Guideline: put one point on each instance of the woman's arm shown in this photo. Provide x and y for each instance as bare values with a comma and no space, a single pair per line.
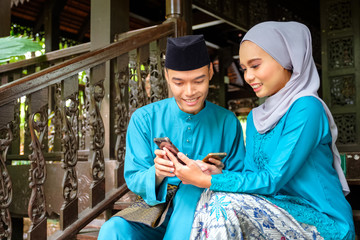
303,131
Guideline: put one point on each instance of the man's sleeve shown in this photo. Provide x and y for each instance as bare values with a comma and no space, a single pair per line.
139,170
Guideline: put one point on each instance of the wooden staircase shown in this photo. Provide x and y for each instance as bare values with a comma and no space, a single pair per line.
91,231
75,158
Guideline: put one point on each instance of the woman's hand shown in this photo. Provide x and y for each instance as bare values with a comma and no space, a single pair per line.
211,169
163,166
190,173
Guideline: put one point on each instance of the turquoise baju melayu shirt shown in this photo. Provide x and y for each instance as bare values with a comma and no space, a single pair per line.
213,129
292,166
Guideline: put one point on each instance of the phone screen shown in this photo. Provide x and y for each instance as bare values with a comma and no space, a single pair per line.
165,142
218,156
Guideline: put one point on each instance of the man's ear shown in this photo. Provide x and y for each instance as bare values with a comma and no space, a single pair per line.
211,71
166,75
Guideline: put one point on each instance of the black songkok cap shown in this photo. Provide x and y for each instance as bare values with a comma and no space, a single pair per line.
186,53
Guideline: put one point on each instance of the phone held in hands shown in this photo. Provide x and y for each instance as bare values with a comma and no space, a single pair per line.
218,156
165,142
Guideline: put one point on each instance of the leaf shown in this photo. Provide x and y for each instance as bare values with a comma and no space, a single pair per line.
16,46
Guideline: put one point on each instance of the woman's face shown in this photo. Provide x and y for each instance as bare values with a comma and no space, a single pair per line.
263,73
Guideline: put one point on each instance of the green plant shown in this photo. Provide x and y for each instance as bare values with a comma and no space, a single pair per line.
16,46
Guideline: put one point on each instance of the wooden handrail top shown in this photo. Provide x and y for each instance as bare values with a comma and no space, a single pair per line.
51,56
11,91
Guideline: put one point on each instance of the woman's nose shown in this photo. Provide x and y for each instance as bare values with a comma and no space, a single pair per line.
248,76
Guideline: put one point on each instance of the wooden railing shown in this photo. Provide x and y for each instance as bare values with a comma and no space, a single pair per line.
63,138
12,71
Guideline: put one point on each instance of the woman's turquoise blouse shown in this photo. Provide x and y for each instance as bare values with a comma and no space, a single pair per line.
292,166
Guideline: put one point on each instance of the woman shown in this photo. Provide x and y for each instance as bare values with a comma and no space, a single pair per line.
292,185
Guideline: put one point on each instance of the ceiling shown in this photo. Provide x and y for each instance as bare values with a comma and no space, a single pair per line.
75,17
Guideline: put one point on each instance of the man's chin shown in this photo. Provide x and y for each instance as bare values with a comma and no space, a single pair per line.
192,109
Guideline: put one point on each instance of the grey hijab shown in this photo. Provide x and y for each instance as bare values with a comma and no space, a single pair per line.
289,43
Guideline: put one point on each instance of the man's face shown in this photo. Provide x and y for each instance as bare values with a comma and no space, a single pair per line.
190,88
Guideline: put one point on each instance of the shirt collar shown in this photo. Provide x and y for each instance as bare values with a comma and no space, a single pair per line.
183,115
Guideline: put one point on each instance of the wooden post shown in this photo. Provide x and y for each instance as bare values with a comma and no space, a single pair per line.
174,14
5,17
108,18
187,13
51,26
225,58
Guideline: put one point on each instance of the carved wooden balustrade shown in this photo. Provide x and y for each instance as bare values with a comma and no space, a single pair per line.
63,136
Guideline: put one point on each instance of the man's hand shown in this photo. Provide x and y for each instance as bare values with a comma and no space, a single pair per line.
163,166
190,173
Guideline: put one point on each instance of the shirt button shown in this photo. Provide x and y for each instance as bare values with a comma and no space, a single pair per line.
189,128
187,140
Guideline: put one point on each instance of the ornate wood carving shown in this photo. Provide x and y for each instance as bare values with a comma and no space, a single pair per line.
85,115
143,66
98,133
121,116
343,90
83,119
340,68
70,146
6,192
138,72
339,15
15,128
96,93
133,86
341,53
346,124
37,172
57,118
158,85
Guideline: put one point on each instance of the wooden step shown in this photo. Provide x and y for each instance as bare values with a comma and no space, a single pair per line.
88,234
91,231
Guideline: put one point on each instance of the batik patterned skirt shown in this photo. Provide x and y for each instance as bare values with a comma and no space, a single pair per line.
221,215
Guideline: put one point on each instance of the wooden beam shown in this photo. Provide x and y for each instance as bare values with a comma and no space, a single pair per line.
187,15
84,29
39,22
5,16
52,12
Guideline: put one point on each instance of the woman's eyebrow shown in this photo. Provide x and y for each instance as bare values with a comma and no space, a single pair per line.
253,60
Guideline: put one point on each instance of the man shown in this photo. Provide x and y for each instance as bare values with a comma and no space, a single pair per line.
195,126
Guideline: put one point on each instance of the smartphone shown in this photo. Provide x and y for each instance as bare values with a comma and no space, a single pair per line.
218,156
165,142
